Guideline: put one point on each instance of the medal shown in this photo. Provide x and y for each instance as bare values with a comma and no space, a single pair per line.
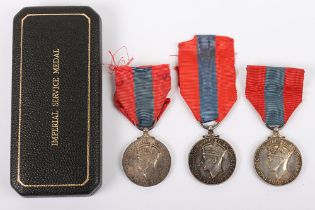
275,93
141,95
207,84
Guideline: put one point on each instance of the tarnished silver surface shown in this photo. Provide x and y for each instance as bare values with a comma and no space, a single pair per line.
278,161
146,161
212,160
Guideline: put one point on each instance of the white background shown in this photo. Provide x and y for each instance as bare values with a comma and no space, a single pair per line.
276,33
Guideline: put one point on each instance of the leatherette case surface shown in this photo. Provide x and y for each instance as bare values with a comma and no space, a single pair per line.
56,101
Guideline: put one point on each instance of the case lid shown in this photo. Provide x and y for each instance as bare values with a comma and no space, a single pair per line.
56,101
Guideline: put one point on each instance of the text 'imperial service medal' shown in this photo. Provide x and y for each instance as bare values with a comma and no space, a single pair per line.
207,84
275,93
141,95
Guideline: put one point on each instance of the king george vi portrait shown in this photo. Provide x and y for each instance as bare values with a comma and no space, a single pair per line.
147,156
278,157
212,157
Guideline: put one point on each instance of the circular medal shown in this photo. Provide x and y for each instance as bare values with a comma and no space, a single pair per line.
146,161
212,160
278,161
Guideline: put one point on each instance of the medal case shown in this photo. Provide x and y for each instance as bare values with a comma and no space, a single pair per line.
56,101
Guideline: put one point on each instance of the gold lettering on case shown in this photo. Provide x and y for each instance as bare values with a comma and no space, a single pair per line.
55,92
55,98
54,128
56,54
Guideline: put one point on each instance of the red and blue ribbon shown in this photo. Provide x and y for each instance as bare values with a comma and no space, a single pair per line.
141,93
207,76
275,92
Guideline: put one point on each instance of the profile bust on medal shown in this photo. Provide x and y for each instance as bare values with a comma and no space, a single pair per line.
212,154
147,156
212,160
278,157
146,161
278,161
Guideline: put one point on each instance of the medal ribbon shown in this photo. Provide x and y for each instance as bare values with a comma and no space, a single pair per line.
275,92
207,76
141,93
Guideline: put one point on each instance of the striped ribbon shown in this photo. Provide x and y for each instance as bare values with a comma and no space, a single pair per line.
207,76
275,92
141,93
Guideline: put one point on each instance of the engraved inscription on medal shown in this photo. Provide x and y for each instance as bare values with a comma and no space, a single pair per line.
55,99
278,161
146,161
212,160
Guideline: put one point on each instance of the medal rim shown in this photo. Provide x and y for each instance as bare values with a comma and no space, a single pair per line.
266,179
190,155
133,143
